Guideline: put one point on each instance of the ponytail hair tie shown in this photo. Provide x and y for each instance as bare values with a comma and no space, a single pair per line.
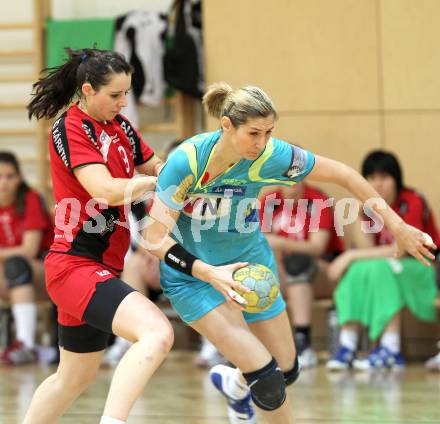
83,57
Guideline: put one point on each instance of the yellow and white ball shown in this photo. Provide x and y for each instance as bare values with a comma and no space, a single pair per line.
262,283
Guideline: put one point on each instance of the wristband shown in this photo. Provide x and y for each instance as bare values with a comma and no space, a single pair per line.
178,258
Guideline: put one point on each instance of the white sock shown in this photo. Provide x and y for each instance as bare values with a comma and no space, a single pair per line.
25,317
349,339
233,386
110,420
122,343
391,340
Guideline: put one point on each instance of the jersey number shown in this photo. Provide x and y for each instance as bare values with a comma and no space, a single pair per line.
205,208
123,153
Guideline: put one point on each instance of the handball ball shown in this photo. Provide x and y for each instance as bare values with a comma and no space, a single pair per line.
262,283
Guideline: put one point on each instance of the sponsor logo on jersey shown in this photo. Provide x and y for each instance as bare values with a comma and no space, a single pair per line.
110,223
234,181
131,135
57,138
298,163
106,141
181,190
230,190
89,129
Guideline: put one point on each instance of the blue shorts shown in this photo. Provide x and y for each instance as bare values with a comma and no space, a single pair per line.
192,298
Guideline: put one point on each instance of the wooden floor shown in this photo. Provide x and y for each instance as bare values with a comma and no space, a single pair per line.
179,393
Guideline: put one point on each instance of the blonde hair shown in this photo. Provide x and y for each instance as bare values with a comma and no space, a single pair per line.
238,105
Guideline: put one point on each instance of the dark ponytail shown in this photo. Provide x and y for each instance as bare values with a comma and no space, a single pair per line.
23,188
57,89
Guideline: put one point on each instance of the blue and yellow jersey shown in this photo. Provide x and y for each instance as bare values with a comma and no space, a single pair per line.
219,220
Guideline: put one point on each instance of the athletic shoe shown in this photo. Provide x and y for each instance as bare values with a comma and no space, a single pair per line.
342,360
208,355
308,358
433,364
18,354
380,358
240,411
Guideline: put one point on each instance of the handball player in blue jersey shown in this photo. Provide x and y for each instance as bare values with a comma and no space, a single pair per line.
205,225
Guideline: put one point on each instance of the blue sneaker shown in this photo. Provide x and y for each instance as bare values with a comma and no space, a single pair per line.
380,358
342,360
240,411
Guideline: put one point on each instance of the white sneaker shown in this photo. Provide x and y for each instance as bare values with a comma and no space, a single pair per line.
380,358
115,352
208,355
240,411
433,364
342,360
308,358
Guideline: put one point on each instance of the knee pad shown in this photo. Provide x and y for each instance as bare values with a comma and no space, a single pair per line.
300,268
268,389
18,271
292,375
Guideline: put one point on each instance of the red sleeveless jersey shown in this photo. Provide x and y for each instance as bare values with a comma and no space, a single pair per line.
82,226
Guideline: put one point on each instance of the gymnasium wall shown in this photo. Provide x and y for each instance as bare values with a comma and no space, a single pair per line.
62,9
347,76
26,145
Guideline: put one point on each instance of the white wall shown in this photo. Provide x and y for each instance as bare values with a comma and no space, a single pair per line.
70,9
18,10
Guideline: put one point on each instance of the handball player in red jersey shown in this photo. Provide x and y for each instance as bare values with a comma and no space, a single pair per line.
94,153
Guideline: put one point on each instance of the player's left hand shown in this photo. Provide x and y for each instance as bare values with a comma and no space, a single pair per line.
415,242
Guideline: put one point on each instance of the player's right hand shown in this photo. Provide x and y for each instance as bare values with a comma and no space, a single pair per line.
221,279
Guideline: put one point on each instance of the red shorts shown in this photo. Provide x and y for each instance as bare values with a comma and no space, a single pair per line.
71,282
